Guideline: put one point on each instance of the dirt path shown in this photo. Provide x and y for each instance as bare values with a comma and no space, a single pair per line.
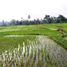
55,51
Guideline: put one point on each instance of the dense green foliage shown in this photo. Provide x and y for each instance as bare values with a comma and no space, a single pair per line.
46,20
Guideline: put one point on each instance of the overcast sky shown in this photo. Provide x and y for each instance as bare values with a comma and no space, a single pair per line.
15,9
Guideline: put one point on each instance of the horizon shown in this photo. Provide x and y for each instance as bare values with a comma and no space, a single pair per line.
17,9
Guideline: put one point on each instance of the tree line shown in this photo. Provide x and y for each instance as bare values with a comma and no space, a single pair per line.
46,20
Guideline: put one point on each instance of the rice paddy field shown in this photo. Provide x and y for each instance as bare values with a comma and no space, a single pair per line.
33,46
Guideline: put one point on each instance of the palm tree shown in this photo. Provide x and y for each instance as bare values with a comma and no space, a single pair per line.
29,17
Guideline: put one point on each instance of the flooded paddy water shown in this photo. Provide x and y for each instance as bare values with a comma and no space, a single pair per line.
44,52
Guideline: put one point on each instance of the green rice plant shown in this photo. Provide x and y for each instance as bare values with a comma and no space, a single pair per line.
32,55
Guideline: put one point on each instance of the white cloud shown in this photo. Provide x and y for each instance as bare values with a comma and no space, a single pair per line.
36,8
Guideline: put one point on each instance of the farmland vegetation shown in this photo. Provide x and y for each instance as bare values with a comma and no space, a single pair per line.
38,53
40,45
14,35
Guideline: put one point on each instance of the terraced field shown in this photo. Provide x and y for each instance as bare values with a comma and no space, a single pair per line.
43,52
35,46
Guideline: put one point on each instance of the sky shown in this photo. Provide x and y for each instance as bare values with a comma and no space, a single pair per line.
17,9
